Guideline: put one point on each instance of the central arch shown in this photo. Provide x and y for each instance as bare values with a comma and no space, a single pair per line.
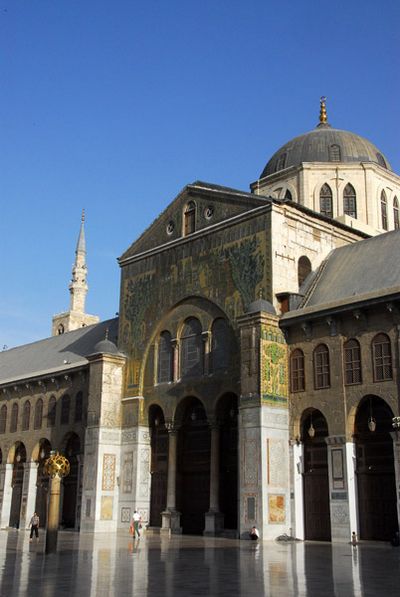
193,465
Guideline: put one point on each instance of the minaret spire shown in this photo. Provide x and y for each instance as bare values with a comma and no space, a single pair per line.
78,288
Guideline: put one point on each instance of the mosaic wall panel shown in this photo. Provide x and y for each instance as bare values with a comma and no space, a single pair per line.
108,478
127,472
107,502
276,508
274,367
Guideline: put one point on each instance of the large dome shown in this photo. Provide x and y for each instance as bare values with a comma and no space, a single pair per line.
325,144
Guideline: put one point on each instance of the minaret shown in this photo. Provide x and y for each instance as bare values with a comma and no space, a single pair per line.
76,317
78,287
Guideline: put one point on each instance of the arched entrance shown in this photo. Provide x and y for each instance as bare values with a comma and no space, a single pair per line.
18,461
227,414
70,483
193,472
317,520
376,483
42,483
159,464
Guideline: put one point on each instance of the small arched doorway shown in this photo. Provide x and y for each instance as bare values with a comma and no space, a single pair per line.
159,464
193,465
18,461
227,415
377,505
42,483
317,520
70,482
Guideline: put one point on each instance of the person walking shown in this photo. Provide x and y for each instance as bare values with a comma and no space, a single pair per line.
136,520
34,524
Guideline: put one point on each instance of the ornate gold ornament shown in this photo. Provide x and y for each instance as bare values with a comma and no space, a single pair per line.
323,117
57,465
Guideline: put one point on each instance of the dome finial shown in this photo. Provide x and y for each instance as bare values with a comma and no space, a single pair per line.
323,117
83,215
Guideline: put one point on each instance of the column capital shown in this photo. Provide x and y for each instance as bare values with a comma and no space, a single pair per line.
171,427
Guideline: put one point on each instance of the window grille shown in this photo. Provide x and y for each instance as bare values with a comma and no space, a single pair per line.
384,211
38,414
382,358
297,377
325,201
352,362
349,201
321,367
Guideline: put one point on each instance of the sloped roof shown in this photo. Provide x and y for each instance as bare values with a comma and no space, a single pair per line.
55,354
364,270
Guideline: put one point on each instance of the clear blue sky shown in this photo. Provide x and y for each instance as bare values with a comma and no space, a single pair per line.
115,105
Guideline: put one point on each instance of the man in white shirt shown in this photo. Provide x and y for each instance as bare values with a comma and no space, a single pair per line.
136,519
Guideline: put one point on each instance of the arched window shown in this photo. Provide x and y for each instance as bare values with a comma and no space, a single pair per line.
321,367
352,362
14,418
288,195
349,201
189,218
192,349
297,378
52,412
78,407
396,214
220,345
60,329
303,269
334,153
325,201
382,357
3,418
26,416
384,211
38,414
165,358
65,408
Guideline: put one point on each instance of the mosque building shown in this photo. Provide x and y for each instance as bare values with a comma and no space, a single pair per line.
252,375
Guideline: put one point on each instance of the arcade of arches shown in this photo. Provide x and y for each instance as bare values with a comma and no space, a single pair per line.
26,485
194,465
323,472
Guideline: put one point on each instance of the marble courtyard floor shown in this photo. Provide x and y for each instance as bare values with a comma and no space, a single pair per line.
114,565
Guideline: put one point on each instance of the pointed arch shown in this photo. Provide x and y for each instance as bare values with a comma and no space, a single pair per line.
384,217
349,201
3,418
325,201
396,219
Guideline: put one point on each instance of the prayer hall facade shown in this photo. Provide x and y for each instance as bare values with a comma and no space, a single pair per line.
251,376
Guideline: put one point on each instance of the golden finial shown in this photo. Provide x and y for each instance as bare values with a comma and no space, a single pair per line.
323,118
83,215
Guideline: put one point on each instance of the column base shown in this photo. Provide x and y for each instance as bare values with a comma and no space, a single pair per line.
171,523
214,523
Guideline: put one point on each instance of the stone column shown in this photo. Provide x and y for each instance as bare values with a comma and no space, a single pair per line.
7,497
53,515
170,517
175,364
298,470
338,488
352,486
214,519
396,454
30,475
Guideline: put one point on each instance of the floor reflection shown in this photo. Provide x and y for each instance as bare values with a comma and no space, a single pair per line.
116,565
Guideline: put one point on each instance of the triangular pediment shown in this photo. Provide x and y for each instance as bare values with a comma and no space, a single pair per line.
213,205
